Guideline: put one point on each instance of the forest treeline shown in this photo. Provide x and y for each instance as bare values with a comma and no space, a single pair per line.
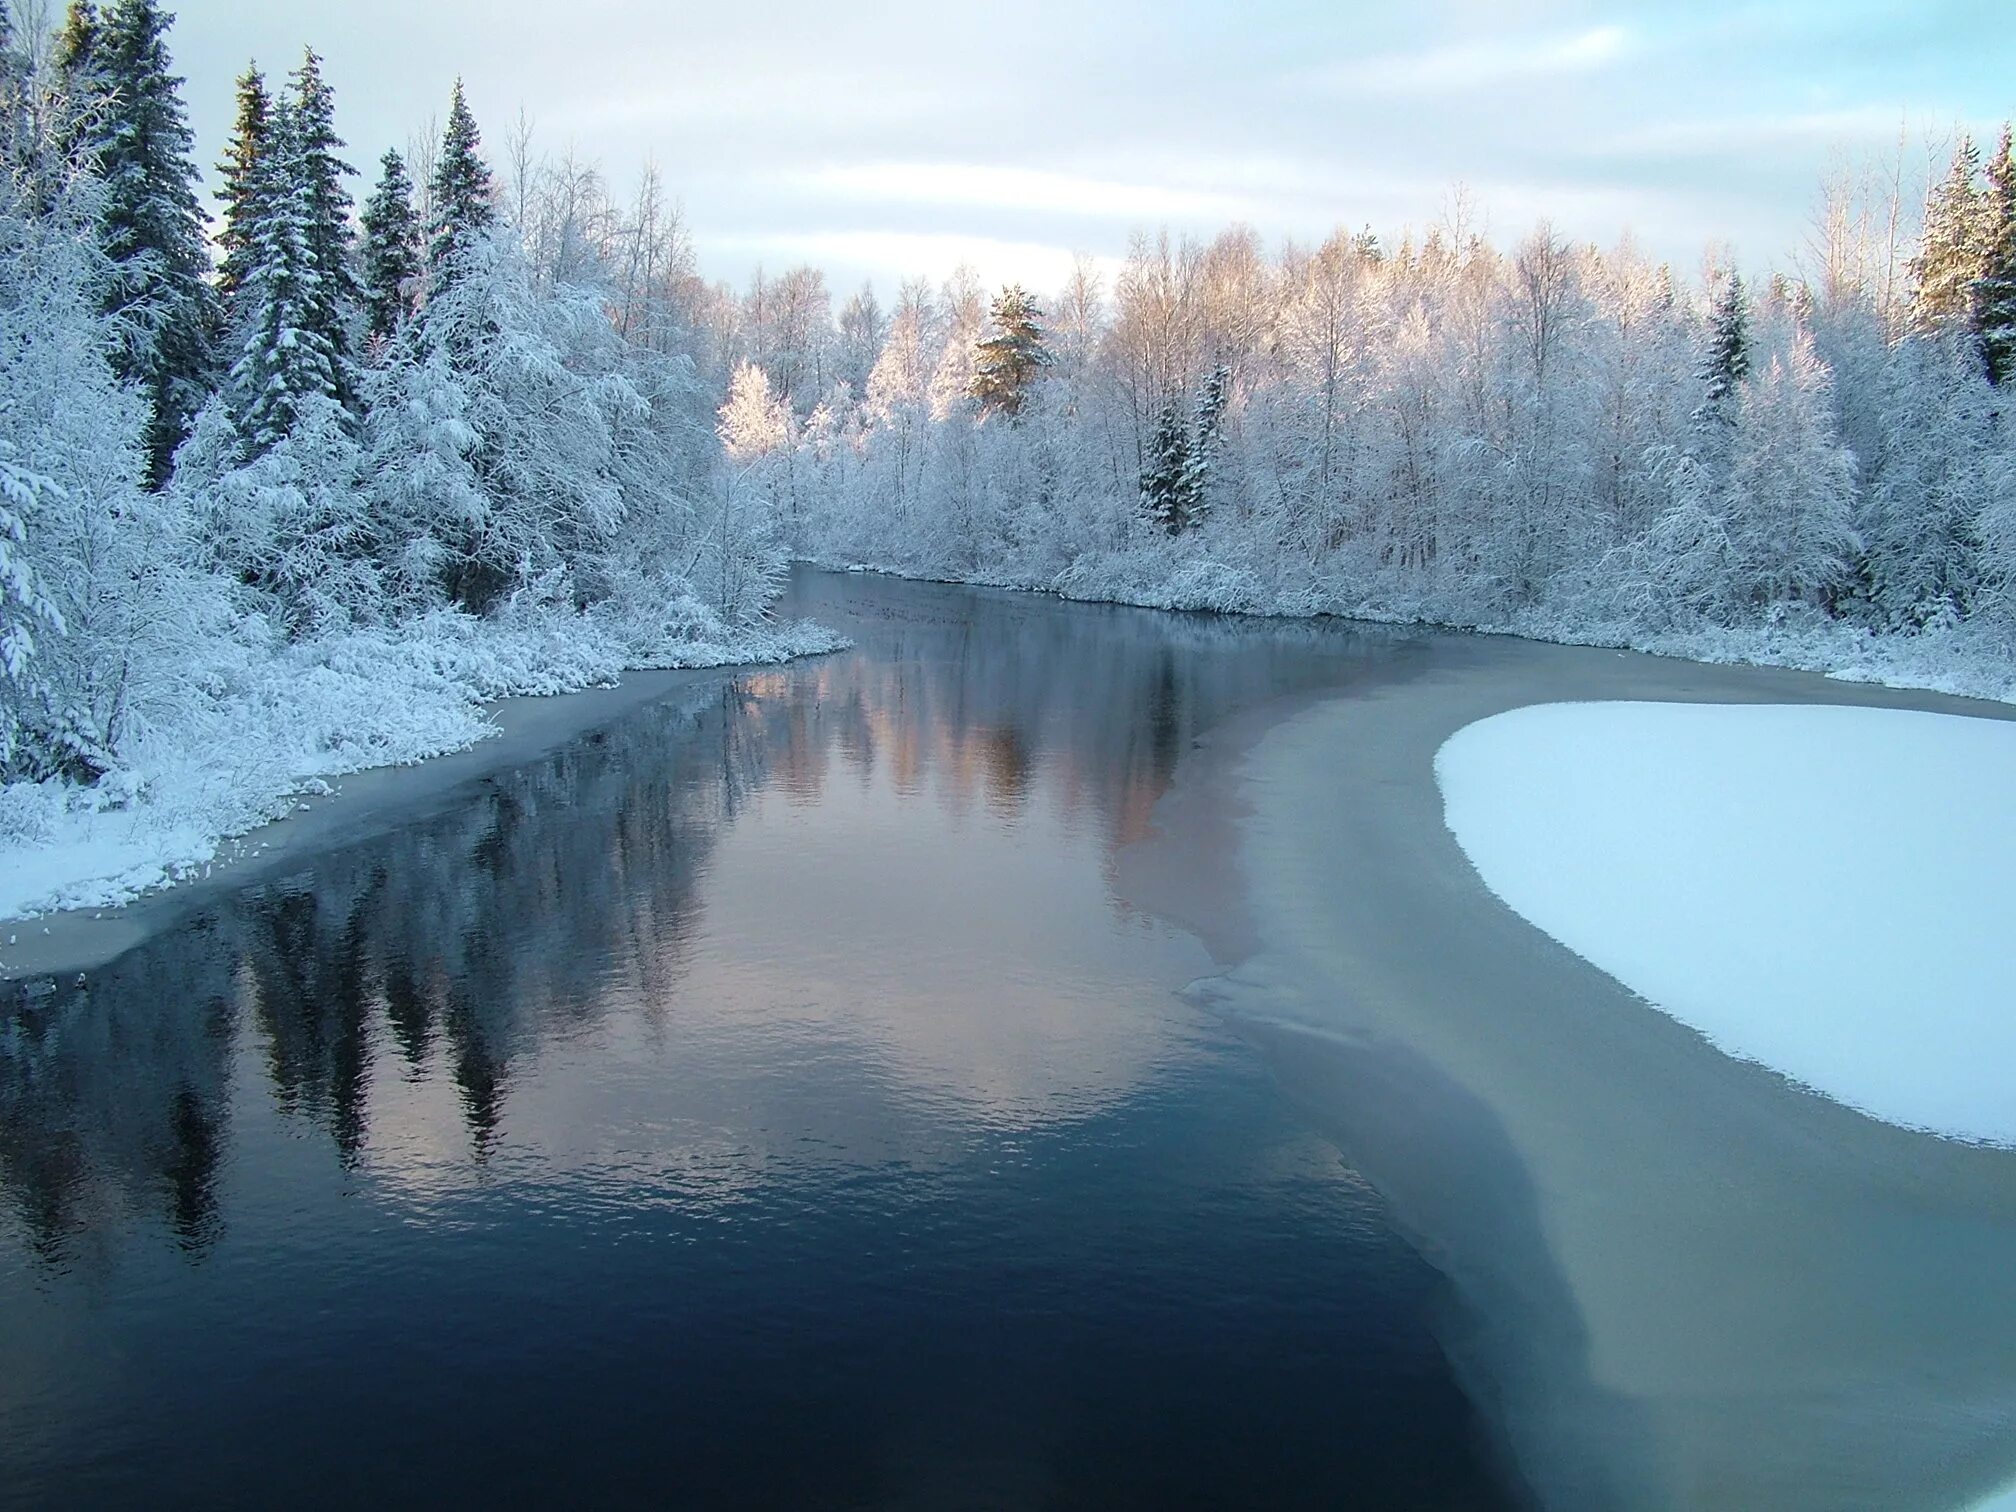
287,482
1558,439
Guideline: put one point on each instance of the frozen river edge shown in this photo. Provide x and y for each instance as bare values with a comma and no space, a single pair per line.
360,804
1683,1280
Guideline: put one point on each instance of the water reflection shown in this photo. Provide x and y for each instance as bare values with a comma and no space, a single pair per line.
773,1067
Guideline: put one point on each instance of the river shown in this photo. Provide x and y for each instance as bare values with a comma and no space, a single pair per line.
864,1082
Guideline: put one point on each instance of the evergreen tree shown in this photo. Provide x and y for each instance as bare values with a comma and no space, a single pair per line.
335,293
151,226
1165,480
77,43
1995,291
391,250
286,364
463,193
239,170
1949,259
1728,359
1011,359
1206,440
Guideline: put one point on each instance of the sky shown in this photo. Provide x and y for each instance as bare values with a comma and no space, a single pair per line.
903,138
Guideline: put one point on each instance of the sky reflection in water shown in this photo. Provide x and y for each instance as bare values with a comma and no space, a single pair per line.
763,1099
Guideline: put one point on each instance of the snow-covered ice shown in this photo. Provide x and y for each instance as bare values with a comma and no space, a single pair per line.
1824,890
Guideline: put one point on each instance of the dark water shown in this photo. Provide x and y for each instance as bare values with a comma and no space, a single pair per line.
762,1101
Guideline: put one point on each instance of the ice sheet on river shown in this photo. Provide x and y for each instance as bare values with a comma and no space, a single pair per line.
1823,890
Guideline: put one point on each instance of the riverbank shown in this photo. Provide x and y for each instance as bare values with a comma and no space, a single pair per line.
1976,660
1683,1280
88,882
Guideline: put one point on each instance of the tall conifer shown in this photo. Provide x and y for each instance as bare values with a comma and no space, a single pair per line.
285,363
1727,362
239,170
335,294
1949,259
463,192
391,250
151,226
1995,291
1011,359
1165,478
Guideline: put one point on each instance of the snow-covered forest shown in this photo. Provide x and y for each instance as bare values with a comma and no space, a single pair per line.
1563,441
289,485
289,490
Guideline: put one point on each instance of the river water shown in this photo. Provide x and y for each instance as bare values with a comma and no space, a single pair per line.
1050,1055
766,1099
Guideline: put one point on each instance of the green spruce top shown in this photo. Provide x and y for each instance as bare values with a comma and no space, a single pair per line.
1013,357
464,195
1728,360
1995,290
391,250
1949,255
239,170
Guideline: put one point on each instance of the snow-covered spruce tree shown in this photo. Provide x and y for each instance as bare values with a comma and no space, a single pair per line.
463,195
1995,289
287,361
391,252
1013,357
333,299
1949,259
151,222
238,171
79,86
1727,361
1166,470
1207,443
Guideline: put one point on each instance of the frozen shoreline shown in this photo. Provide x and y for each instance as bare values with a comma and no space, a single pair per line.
503,733
1822,890
1967,662
1684,1280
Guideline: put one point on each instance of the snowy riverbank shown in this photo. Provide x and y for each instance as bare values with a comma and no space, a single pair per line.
250,749
1973,660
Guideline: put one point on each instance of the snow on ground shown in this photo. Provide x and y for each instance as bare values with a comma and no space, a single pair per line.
1824,890
242,754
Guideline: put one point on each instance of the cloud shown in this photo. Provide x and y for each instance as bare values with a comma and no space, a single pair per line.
1469,65
1031,189
1721,135
849,255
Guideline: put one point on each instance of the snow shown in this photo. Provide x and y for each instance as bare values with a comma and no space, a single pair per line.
1824,890
364,698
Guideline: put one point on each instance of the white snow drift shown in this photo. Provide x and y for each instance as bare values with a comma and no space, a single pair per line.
1823,890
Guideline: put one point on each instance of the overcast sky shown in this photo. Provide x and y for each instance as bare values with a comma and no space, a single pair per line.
901,138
